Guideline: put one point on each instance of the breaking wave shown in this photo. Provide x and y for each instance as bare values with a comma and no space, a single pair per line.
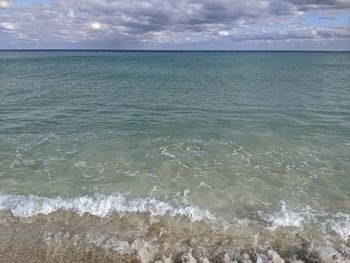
97,205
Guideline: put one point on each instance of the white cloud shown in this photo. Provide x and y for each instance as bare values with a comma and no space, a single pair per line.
96,26
7,26
224,33
4,4
71,14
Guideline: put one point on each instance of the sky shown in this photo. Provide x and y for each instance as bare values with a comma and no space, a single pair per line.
175,24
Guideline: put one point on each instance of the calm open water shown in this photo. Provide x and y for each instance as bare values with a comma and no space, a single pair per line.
255,145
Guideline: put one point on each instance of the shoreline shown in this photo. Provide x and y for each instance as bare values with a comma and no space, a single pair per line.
140,237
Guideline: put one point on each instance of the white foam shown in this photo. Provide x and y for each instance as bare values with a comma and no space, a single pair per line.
80,164
340,224
284,218
163,151
98,205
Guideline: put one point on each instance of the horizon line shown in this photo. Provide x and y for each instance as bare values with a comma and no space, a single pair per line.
171,50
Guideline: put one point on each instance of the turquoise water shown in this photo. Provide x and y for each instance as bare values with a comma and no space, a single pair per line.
256,137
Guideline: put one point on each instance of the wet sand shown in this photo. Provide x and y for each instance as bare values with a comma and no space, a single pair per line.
68,237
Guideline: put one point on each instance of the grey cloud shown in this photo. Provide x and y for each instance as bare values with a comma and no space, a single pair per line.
291,7
279,7
305,5
320,34
136,22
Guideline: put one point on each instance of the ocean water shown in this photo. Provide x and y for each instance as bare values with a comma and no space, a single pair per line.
143,156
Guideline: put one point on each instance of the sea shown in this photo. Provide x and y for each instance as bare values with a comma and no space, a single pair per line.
174,156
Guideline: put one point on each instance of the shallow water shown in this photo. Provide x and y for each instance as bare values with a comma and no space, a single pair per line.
251,146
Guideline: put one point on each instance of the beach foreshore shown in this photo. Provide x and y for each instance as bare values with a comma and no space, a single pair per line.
93,254
68,237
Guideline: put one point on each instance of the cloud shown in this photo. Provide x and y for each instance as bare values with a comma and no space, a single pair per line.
223,33
7,26
94,25
136,22
280,7
4,4
305,5
295,34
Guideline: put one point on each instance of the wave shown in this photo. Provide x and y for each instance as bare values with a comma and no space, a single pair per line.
338,223
101,205
97,205
283,218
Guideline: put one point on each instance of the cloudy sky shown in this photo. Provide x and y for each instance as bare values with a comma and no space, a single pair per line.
175,24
